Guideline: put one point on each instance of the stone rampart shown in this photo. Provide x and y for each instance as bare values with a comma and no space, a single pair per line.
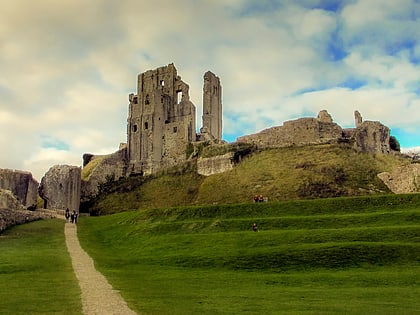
22,185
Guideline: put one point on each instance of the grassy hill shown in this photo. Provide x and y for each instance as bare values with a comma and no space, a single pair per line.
279,174
358,255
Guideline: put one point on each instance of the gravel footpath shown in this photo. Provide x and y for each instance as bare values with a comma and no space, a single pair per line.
98,296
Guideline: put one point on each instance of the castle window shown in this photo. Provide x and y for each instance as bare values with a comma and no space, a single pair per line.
147,102
135,100
175,129
146,125
134,128
162,82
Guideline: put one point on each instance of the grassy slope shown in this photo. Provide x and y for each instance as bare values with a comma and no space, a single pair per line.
280,174
36,276
327,256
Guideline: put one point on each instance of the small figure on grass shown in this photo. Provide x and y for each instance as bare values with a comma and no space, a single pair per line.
255,227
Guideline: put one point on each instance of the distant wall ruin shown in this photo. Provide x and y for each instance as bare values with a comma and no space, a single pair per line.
368,136
22,185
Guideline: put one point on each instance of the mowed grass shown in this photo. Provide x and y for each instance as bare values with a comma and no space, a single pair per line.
36,276
327,256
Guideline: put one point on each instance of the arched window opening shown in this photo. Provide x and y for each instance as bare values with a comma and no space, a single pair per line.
146,125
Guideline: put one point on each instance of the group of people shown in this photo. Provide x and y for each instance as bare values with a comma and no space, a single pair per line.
72,217
259,198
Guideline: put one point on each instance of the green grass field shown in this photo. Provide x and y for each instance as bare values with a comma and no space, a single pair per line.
36,276
325,256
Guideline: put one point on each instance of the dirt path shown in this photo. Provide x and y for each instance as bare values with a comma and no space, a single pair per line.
98,296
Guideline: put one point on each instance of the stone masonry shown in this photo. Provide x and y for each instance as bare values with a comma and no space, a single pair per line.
161,120
368,136
22,185
60,188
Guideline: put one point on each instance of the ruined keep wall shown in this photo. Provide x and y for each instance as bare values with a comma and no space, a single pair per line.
60,188
160,109
22,185
212,106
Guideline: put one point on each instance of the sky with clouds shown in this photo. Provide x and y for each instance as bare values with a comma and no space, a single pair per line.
67,67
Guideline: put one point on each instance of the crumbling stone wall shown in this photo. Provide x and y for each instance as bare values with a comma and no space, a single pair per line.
302,131
372,136
22,185
368,136
60,188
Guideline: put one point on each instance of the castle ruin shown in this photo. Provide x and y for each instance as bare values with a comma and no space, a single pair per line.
161,120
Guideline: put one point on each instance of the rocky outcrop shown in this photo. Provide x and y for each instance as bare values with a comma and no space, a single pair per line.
215,165
99,169
60,188
404,179
22,185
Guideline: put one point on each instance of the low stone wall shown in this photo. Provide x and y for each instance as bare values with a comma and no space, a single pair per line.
9,218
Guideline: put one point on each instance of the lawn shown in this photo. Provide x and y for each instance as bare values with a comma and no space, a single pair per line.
325,256
36,276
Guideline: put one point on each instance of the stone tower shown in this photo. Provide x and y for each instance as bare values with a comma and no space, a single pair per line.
212,106
161,121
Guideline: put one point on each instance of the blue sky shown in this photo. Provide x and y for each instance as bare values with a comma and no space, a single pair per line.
67,67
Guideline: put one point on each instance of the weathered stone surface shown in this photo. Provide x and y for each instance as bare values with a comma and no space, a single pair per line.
324,116
212,107
215,165
302,131
60,188
373,137
162,119
22,185
404,179
12,211
9,201
100,169
369,136
357,119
